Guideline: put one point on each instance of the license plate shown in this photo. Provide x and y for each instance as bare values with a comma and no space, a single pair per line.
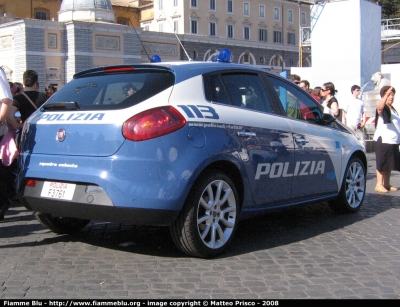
59,190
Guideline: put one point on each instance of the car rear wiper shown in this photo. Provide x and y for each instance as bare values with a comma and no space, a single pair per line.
67,105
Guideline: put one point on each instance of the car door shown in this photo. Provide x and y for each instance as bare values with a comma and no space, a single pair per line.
317,146
265,141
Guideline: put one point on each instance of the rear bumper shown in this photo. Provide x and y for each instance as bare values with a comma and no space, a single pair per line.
95,212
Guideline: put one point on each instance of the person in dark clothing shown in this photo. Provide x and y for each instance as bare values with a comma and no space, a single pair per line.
22,102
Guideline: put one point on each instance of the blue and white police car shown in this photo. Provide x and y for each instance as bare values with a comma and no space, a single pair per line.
197,146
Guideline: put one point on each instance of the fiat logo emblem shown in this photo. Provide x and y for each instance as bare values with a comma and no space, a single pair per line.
61,135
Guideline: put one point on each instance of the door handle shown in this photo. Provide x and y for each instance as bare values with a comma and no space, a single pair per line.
301,140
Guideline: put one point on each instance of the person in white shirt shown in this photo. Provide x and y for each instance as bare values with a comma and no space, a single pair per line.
354,112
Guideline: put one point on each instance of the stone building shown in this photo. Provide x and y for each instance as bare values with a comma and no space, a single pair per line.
59,38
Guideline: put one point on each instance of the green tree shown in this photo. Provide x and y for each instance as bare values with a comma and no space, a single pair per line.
390,8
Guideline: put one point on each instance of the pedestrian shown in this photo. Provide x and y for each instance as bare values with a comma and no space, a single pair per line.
50,90
354,112
329,100
316,93
7,176
295,78
29,100
13,88
386,137
20,89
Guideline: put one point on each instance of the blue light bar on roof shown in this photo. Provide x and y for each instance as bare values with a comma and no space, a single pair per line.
224,56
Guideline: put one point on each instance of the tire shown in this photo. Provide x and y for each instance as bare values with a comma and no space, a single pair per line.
64,225
207,223
352,191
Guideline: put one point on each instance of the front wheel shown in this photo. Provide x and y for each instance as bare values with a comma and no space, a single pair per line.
63,225
207,223
353,188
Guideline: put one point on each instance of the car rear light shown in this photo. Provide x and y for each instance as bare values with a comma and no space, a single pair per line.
153,123
31,183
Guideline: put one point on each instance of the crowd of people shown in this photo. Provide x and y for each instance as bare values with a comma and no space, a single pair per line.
18,102
387,124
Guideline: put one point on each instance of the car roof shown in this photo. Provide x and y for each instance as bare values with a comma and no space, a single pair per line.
182,70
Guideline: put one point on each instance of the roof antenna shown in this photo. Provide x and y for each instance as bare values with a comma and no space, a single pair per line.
187,55
144,48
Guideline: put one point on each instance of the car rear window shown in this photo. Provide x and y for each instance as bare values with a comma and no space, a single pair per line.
111,91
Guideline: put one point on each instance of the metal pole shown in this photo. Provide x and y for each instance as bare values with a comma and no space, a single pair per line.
300,38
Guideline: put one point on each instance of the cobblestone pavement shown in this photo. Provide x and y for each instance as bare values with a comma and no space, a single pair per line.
300,253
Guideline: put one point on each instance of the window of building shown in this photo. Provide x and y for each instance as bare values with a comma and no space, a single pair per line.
303,18
246,33
277,14
212,5
262,35
195,55
262,11
229,31
278,37
290,16
160,4
229,6
246,9
213,29
42,14
176,26
176,2
193,26
291,38
146,27
161,26
123,21
262,60
276,61
193,3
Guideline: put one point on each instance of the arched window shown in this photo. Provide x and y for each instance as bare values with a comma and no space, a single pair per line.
123,21
208,53
277,61
247,58
42,14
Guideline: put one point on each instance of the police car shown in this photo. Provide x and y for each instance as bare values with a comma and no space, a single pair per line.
196,147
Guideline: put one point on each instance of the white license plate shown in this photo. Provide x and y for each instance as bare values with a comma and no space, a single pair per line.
59,190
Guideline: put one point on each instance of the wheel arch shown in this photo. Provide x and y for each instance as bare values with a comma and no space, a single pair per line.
232,171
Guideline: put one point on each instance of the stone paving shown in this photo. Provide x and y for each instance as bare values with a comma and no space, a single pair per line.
299,253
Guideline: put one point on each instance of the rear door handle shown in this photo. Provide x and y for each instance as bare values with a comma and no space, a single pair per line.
246,134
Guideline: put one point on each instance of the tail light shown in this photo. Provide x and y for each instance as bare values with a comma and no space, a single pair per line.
153,123
31,183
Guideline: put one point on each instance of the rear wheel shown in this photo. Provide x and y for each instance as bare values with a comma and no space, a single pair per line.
61,224
207,223
353,188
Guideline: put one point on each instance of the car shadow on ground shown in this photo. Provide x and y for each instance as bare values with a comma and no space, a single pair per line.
277,228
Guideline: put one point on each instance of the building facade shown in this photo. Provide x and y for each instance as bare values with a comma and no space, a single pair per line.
259,32
59,38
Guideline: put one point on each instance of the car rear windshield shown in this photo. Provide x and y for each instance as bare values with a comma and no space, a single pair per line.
113,91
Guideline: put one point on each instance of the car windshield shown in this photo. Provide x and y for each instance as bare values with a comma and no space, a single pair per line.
113,91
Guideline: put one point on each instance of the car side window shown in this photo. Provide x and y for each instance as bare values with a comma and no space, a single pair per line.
295,102
244,90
